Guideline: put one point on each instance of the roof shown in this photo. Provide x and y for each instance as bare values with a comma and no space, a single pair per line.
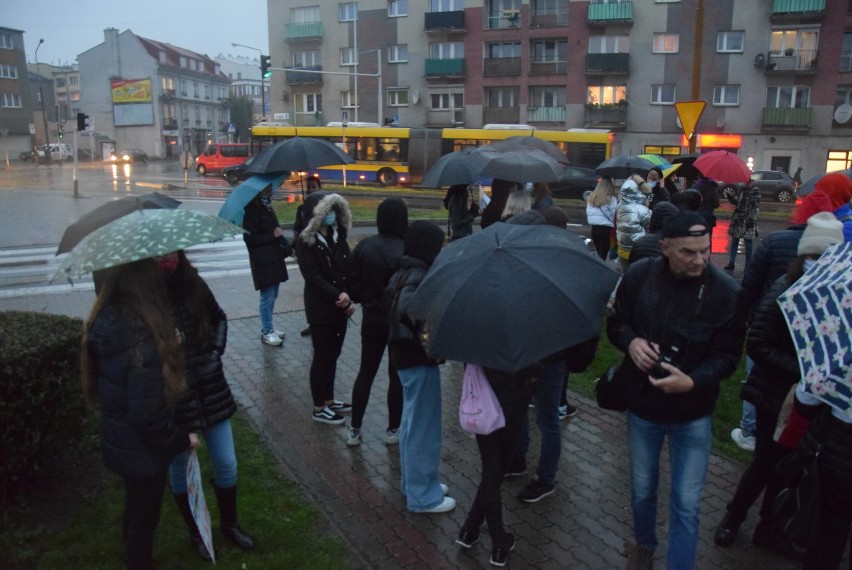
174,53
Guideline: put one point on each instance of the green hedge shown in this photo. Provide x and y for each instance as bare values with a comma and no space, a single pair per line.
41,403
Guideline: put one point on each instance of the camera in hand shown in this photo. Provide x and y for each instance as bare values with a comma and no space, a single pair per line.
669,357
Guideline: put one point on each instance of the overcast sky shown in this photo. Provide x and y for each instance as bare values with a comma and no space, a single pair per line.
72,27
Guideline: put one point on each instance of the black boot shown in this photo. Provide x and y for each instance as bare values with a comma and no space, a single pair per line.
727,530
227,499
182,500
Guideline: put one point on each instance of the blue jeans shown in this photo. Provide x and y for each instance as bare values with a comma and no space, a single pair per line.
748,422
689,451
420,437
220,445
735,242
267,303
547,393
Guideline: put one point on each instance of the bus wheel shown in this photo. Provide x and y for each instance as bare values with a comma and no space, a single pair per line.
387,177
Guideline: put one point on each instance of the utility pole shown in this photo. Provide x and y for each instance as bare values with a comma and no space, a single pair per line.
265,71
47,157
698,38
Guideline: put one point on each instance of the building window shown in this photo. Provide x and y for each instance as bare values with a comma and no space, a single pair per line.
398,53
397,8
347,56
348,100
666,43
446,100
11,100
730,42
306,58
503,14
609,44
348,12
11,72
606,94
305,15
182,61
446,5
308,102
546,96
6,41
788,97
195,89
446,50
846,53
397,97
726,95
504,49
549,51
73,80
662,94
501,97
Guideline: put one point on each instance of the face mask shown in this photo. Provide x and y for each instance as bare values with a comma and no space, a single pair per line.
329,219
169,265
808,264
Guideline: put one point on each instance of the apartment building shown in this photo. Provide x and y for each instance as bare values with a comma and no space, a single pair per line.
244,75
16,102
776,75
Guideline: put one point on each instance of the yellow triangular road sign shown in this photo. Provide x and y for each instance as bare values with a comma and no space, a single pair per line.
689,112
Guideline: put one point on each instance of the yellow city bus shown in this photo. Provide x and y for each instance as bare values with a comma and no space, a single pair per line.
394,155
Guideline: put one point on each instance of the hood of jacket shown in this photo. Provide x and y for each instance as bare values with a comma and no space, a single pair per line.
631,193
661,212
392,217
316,206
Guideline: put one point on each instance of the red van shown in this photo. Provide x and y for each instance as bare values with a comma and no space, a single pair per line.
221,155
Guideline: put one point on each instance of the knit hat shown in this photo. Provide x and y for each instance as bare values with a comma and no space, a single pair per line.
822,231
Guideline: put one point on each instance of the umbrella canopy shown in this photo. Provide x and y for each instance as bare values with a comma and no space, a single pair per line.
657,160
521,142
810,185
233,208
141,234
520,165
511,295
671,170
111,211
722,165
686,161
818,311
297,153
449,170
620,167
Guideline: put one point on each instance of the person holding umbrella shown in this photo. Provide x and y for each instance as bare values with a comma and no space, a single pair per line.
326,265
461,213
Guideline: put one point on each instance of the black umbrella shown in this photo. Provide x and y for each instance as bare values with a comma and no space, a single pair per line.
686,161
624,166
547,147
519,165
102,215
450,170
511,295
297,153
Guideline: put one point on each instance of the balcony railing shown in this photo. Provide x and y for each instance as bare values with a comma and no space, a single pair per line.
505,19
502,66
445,67
791,7
308,119
792,60
303,31
545,114
845,61
548,67
170,124
439,21
549,18
607,63
787,117
302,77
609,116
444,117
168,93
502,115
610,12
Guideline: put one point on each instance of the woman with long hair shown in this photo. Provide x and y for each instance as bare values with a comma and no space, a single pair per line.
518,202
133,371
600,215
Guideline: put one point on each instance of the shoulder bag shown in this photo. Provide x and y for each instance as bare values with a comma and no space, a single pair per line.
610,390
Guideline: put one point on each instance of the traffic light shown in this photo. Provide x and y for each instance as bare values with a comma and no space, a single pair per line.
81,121
264,66
61,133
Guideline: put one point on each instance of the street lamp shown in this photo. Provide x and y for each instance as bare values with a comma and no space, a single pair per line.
262,86
43,106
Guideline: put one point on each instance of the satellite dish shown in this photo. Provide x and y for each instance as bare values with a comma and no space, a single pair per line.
415,96
843,113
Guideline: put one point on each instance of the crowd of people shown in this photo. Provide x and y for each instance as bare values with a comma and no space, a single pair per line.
152,363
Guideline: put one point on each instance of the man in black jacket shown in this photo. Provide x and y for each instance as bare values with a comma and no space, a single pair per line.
678,320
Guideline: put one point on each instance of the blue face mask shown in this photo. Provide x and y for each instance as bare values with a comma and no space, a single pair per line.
329,218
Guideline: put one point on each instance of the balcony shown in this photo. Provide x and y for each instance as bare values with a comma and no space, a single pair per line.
607,116
503,20
502,115
546,115
168,94
444,117
795,61
600,13
300,77
548,68
444,21
170,124
502,66
845,62
303,31
445,67
549,18
796,9
607,63
308,119
786,118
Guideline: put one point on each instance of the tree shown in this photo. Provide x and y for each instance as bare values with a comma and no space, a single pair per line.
241,116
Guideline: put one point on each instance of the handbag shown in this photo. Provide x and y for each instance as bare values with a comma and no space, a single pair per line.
795,508
479,410
610,390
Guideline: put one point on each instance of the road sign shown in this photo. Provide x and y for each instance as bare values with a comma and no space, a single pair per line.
32,128
90,123
689,112
345,118
231,128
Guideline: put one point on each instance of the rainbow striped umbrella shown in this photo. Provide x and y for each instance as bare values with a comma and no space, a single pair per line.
657,160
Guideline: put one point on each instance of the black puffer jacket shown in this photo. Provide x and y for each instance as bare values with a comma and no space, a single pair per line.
770,261
404,347
208,400
139,434
776,367
267,253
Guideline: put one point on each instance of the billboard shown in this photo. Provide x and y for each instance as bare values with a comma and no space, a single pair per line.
131,90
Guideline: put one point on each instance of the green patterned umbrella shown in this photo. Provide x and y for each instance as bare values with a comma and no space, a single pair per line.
141,234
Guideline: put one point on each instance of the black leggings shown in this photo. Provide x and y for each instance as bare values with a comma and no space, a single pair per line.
327,339
374,338
600,239
142,500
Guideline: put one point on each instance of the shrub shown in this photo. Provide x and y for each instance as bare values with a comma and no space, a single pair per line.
41,404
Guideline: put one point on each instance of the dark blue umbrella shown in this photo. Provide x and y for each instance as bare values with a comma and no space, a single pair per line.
295,154
449,170
234,207
621,167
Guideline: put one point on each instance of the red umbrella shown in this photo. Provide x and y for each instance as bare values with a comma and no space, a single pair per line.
722,165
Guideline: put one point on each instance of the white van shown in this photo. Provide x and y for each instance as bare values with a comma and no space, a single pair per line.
61,151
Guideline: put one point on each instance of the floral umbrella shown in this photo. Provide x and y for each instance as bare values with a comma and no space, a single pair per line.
818,311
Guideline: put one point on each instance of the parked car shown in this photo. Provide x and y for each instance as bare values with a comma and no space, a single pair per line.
218,156
130,155
773,184
575,182
237,173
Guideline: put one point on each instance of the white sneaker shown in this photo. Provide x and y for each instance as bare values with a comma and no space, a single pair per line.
281,334
392,437
271,339
445,506
354,438
444,489
745,442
